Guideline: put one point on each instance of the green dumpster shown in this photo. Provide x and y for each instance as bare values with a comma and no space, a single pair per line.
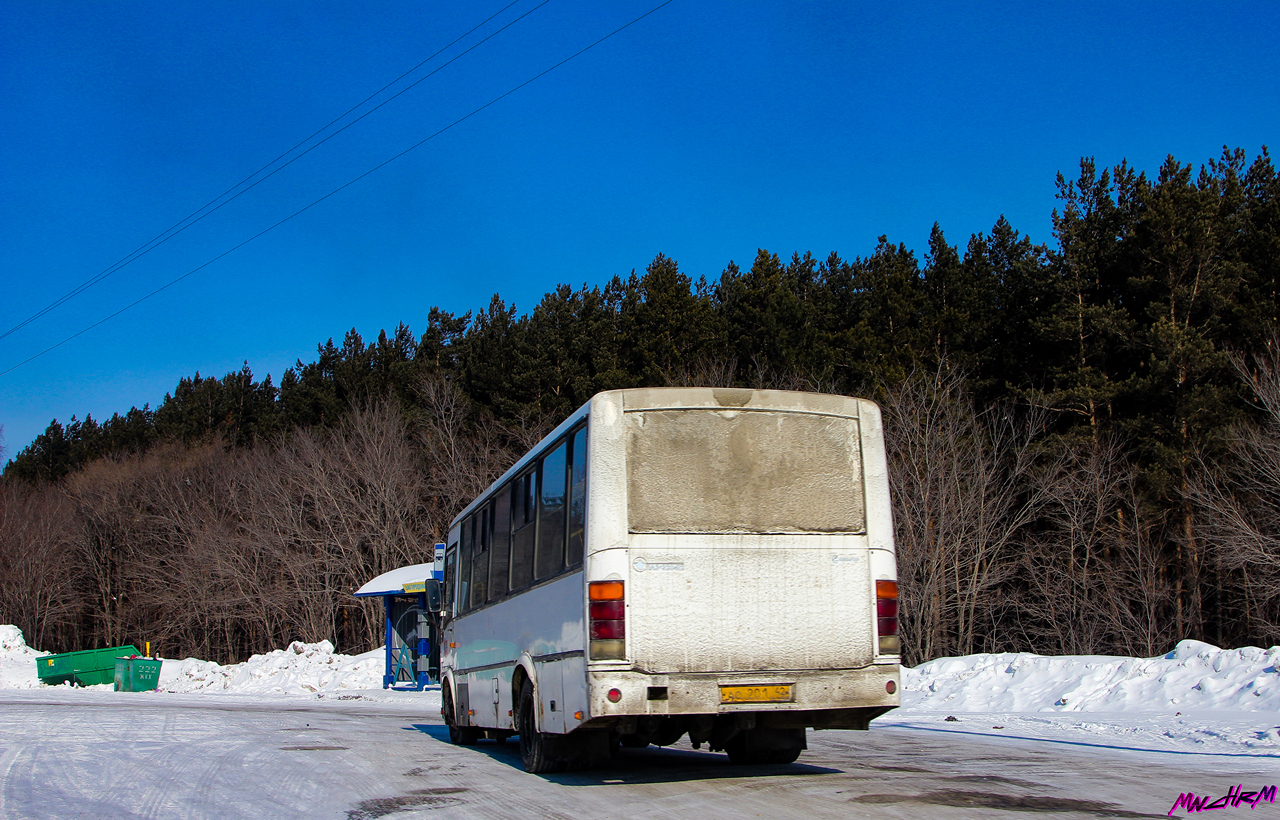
85,668
137,674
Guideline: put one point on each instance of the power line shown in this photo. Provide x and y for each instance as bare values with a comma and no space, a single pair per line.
342,187
209,208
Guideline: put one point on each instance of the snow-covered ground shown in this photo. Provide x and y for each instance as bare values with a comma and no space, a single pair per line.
1197,699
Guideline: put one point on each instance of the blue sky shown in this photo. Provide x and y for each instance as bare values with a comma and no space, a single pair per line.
705,131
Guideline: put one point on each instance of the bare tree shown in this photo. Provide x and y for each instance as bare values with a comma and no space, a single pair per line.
325,511
962,502
464,449
702,373
220,553
384,496
39,585
104,537
1092,579
1238,500
204,587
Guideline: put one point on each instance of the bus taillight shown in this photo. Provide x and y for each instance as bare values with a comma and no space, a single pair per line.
887,617
608,630
608,620
608,610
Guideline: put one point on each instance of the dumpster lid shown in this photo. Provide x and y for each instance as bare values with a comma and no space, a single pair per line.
392,583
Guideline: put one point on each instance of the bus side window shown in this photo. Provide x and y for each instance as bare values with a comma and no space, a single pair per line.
500,559
465,556
530,503
480,557
549,558
522,530
577,499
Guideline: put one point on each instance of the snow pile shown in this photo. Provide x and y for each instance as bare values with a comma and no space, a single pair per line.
17,660
302,669
1197,698
1193,676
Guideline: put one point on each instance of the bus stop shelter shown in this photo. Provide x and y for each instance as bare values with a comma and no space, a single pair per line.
413,656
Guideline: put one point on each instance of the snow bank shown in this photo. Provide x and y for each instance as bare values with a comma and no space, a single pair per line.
302,669
1194,675
17,660
1197,698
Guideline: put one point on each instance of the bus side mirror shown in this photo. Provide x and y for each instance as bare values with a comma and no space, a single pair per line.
435,595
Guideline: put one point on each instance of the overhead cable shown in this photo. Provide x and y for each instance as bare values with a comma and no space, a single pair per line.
210,206
342,187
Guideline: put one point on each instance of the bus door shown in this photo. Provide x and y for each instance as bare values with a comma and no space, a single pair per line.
450,597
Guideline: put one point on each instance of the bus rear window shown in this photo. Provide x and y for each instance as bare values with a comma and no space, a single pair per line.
741,471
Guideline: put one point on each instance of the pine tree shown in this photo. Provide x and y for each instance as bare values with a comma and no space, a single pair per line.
494,363
765,320
1092,336
889,334
958,310
669,326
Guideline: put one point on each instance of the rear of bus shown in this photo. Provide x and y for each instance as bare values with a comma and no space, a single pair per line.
741,575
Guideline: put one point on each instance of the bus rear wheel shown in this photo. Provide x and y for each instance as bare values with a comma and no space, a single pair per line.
535,747
458,735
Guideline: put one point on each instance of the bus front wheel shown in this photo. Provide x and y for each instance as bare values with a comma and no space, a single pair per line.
535,747
458,735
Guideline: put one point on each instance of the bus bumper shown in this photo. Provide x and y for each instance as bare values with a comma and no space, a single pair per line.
834,699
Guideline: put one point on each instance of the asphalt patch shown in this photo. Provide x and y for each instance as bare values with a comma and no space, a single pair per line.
1006,802
417,799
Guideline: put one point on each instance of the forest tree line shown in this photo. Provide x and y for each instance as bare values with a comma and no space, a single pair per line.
1084,436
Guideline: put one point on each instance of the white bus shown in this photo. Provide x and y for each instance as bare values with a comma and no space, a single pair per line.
705,561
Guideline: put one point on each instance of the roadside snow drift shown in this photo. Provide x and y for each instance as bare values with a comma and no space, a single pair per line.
1194,675
17,660
1196,699
302,669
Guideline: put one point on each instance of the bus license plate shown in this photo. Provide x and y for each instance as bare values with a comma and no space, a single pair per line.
757,694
